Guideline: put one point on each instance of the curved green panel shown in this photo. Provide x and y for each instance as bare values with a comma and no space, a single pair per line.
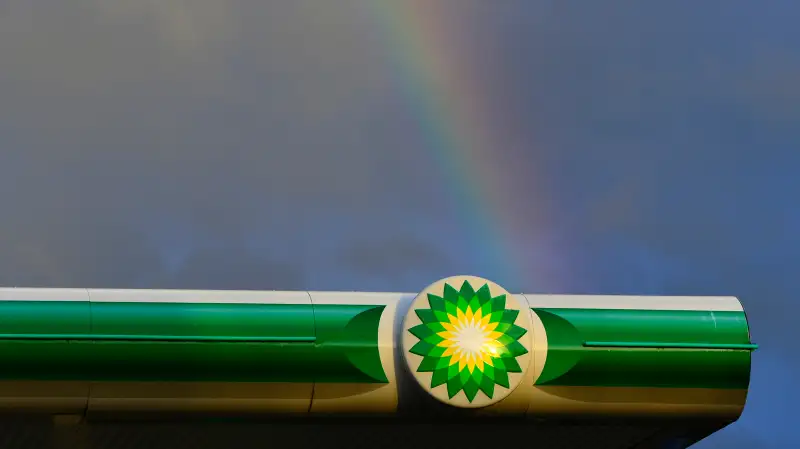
363,328
680,348
563,346
347,343
38,318
149,341
25,327
155,341
235,362
44,360
667,326
157,361
220,321
221,342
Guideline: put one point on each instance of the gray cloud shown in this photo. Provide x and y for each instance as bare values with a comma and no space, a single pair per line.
231,268
396,258
223,119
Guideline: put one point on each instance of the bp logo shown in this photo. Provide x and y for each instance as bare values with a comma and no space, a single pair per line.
467,341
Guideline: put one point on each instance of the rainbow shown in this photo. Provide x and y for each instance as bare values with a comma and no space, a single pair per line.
455,109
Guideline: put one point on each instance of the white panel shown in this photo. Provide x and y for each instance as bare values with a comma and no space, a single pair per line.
358,298
708,303
200,296
705,303
43,294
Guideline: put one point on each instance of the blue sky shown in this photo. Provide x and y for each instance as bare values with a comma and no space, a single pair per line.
227,144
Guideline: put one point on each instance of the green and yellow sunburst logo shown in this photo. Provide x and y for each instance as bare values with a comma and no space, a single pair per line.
469,340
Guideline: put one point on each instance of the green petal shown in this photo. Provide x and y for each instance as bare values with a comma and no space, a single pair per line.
501,378
436,351
487,386
509,316
428,364
462,304
450,293
426,315
439,378
515,332
452,309
434,339
452,371
421,331
441,316
512,366
421,348
516,349
471,389
466,290
499,302
504,340
474,304
488,372
502,327
496,316
436,302
436,327
501,353
484,294
476,375
486,310
464,375
454,385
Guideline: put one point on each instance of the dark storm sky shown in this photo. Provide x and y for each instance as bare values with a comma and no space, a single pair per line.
234,144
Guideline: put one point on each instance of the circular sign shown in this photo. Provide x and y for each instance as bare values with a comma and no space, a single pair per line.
467,341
